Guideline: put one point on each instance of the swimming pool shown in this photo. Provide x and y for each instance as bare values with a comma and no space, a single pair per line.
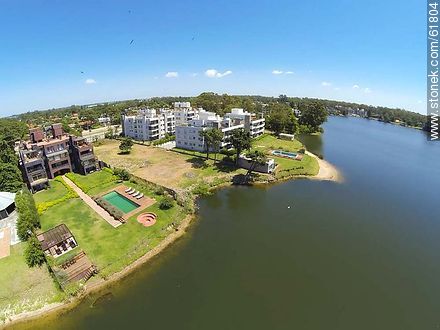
281,153
121,202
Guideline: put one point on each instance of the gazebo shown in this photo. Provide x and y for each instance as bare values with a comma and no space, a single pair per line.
7,204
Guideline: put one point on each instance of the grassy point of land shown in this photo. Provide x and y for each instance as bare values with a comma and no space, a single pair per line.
23,288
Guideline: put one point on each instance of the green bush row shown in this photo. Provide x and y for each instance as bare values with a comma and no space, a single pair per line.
112,210
164,140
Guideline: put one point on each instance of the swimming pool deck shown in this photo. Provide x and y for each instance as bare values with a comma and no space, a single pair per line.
92,204
143,202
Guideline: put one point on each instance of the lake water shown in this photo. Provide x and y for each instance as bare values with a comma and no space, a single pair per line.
364,254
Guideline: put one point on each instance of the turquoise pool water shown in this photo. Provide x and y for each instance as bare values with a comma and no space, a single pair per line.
284,154
121,202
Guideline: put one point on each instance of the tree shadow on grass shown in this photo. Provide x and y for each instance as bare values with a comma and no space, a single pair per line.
221,165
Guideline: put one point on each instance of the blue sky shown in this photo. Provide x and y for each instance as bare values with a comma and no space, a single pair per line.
364,51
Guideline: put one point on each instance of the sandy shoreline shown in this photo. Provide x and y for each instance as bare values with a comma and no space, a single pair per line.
327,172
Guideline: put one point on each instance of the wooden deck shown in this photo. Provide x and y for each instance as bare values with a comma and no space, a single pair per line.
76,269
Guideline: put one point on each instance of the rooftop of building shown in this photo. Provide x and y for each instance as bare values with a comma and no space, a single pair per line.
6,199
54,236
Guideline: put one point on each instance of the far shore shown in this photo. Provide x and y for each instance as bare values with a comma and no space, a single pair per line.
327,172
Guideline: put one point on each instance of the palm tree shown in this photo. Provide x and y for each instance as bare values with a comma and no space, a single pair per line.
258,158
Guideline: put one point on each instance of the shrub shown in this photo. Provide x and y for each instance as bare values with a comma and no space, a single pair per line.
164,140
122,174
302,151
201,189
113,211
166,203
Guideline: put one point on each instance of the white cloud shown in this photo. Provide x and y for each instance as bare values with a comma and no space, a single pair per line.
289,72
355,87
367,90
172,74
326,84
212,73
337,88
90,81
277,72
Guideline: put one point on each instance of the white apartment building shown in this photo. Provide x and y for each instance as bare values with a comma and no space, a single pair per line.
183,112
255,126
188,135
149,124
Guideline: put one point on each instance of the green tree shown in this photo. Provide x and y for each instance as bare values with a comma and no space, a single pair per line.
126,145
258,158
10,177
33,253
28,218
281,119
240,140
313,115
206,141
216,138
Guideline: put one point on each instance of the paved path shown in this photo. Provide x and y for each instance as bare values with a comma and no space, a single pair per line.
90,202
5,241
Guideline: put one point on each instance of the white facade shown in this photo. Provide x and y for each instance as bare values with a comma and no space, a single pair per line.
188,135
183,112
149,124
255,126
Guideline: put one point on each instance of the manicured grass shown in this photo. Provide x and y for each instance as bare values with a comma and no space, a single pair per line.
268,143
286,167
111,249
23,288
95,181
55,191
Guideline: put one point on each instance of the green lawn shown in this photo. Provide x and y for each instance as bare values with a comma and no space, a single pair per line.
111,249
286,167
23,288
98,181
268,143
55,191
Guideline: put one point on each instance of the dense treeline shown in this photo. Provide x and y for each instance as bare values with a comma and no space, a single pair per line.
218,103
10,175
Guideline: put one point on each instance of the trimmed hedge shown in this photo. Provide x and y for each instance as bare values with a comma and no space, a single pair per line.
112,210
164,140
41,207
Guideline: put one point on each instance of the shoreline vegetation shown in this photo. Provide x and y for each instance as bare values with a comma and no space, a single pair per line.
187,173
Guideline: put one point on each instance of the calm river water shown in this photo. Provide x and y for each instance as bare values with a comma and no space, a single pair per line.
364,254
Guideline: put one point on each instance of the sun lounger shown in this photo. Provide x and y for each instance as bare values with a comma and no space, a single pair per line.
140,196
132,192
137,194
128,190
